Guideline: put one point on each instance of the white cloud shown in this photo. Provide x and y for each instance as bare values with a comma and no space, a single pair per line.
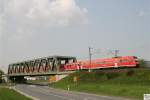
51,12
30,15
24,20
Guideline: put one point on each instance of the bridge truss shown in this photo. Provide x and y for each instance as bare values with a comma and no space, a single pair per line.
40,66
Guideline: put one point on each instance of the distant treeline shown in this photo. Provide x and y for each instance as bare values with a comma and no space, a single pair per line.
144,63
147,63
1,73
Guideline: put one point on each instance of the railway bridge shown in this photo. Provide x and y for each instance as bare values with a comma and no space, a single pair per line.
52,65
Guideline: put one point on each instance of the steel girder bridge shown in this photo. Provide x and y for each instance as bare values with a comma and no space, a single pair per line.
39,67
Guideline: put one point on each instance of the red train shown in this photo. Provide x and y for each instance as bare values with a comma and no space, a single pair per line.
123,61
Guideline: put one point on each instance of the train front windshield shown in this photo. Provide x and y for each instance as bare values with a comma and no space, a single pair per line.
65,61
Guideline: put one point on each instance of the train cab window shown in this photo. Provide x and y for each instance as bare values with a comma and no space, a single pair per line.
63,62
71,61
74,60
66,62
135,57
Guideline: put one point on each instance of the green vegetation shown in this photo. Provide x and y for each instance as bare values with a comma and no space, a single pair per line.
10,94
142,63
130,83
1,73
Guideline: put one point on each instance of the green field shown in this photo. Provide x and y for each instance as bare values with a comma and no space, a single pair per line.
132,83
10,94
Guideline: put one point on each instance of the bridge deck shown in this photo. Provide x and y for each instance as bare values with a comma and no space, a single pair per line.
40,74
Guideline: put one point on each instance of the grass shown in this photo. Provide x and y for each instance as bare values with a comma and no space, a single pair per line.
10,94
132,83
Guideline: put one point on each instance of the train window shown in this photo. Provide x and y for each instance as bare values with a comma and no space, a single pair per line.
109,62
71,61
103,62
124,60
63,61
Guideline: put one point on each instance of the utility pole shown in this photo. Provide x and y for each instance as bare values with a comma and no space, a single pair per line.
116,53
90,58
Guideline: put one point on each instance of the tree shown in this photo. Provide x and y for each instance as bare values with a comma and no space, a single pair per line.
1,73
142,63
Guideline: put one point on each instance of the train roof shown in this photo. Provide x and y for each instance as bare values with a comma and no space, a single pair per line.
128,57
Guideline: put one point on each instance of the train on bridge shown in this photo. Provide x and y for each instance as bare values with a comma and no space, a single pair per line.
63,65
115,62
66,63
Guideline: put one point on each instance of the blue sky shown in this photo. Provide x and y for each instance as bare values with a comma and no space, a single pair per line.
120,24
31,29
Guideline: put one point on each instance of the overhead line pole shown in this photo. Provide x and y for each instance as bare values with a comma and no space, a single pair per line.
116,53
90,58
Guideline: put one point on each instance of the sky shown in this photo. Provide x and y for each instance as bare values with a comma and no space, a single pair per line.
39,28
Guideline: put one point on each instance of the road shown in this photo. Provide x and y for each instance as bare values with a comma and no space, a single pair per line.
47,93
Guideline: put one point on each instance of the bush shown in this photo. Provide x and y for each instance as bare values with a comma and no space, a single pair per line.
142,63
1,73
112,75
130,72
